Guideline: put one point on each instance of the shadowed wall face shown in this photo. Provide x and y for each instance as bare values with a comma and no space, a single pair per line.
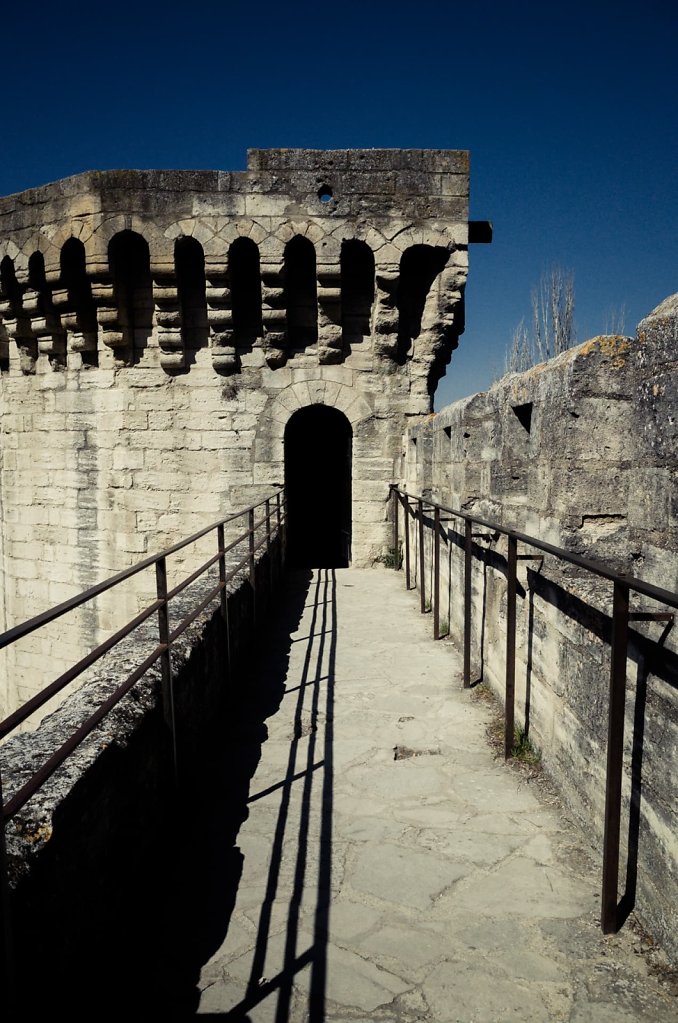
318,455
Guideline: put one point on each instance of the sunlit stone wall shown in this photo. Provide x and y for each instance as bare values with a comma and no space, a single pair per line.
159,329
581,452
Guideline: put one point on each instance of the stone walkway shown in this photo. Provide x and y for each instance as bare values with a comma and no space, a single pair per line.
393,869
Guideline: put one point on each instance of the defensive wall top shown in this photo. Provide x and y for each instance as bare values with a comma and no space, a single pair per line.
304,249
410,183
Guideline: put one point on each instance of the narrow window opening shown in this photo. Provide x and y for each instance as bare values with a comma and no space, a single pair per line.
51,330
74,279
36,273
245,277
301,293
325,193
357,290
447,430
524,415
419,267
130,263
8,290
12,291
189,263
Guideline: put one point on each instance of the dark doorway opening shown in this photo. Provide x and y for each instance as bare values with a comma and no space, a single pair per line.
318,453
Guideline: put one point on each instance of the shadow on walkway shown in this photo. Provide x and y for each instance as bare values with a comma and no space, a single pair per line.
201,888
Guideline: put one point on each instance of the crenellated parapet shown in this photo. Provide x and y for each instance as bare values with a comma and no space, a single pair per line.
319,254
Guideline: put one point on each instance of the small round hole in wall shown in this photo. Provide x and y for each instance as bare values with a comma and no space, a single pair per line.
325,193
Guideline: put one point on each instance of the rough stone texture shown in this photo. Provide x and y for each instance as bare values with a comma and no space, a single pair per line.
88,854
596,473
141,397
440,887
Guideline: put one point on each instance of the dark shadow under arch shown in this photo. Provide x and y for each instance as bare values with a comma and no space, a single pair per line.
357,290
318,456
419,267
73,264
189,263
301,293
245,280
13,291
130,262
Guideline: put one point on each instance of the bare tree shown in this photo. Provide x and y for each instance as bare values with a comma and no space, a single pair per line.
553,313
519,356
552,322
615,319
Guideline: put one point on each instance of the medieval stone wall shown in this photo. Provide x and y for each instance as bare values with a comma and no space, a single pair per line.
158,331
581,452
87,855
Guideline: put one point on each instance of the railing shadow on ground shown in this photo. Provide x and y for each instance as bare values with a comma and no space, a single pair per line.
207,864
653,658
95,921
649,653
142,960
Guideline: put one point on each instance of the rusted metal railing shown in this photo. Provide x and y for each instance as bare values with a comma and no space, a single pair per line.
270,523
413,507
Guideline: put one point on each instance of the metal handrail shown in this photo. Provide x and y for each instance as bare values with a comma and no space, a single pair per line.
657,593
273,520
623,585
160,605
11,635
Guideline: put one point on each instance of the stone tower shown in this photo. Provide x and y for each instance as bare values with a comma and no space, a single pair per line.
163,332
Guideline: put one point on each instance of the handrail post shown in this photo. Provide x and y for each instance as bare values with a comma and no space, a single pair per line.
436,572
615,753
510,695
268,526
221,545
251,546
268,544
468,563
224,594
282,525
396,538
7,979
278,520
406,508
252,564
422,583
165,657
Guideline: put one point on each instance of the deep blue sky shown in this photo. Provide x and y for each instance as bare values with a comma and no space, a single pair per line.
569,111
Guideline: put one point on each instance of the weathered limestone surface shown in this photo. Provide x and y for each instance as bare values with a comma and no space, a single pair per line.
90,854
343,846
391,868
158,329
596,473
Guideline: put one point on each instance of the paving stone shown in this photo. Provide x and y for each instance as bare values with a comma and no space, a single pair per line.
404,876
526,888
355,981
434,888
464,992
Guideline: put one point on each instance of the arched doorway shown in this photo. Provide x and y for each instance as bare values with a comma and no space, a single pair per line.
318,452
